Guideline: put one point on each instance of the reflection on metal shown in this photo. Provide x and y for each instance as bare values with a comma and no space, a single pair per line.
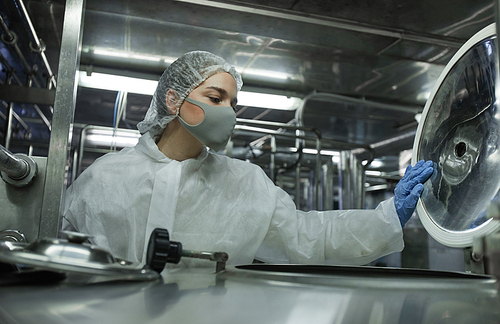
70,256
64,108
379,128
21,206
108,137
12,236
460,133
272,164
328,185
331,22
251,294
351,182
281,132
9,115
330,97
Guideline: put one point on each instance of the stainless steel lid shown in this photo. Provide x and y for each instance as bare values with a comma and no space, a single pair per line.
73,255
460,132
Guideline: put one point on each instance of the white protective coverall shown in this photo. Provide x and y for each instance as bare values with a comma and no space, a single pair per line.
215,203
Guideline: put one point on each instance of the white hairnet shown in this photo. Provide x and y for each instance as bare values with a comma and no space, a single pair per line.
183,75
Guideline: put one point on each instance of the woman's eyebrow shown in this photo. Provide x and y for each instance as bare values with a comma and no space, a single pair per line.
224,93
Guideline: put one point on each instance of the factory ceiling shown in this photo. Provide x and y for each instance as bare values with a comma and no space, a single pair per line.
364,68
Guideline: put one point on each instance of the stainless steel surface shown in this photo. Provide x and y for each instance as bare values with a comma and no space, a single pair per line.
366,57
219,257
20,206
25,178
62,120
340,295
460,132
384,54
351,181
12,236
61,255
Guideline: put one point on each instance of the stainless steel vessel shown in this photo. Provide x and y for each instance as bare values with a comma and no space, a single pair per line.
259,294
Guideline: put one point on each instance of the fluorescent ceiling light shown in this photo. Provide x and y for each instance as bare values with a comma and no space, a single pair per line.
263,100
116,83
323,152
144,57
109,138
266,74
135,85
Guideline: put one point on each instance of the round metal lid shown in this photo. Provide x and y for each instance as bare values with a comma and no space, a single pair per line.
460,132
72,255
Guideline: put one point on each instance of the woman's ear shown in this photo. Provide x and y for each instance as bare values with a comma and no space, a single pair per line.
172,101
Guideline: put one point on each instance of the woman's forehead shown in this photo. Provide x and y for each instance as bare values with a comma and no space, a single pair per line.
221,80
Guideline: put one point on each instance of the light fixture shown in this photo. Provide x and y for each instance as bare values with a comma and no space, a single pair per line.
116,83
147,87
267,74
270,101
136,56
108,138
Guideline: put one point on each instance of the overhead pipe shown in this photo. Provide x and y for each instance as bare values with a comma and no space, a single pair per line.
39,47
381,148
10,38
274,133
346,99
334,23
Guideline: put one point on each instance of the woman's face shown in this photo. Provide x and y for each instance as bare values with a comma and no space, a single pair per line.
218,90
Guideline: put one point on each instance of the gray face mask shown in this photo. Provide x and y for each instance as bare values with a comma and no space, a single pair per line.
217,126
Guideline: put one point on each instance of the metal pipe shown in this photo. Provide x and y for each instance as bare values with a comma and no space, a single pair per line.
272,164
42,115
297,173
14,167
344,99
81,145
11,40
8,117
40,47
318,172
497,24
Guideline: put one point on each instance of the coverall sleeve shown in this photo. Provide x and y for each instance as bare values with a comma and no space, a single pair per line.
340,237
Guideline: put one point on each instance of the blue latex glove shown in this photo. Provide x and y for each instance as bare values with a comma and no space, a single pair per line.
409,189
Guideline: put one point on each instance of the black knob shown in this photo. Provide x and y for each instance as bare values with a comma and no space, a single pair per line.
161,250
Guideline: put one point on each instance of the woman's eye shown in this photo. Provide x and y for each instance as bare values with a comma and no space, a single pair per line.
215,100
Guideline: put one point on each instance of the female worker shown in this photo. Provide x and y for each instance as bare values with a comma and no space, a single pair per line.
214,203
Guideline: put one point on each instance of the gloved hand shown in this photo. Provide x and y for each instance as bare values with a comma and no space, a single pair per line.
409,188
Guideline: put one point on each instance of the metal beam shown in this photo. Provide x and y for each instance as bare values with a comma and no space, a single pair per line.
64,111
14,93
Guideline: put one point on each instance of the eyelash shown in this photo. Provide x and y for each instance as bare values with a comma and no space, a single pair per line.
215,100
218,101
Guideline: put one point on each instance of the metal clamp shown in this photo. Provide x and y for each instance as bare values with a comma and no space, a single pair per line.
9,40
24,179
